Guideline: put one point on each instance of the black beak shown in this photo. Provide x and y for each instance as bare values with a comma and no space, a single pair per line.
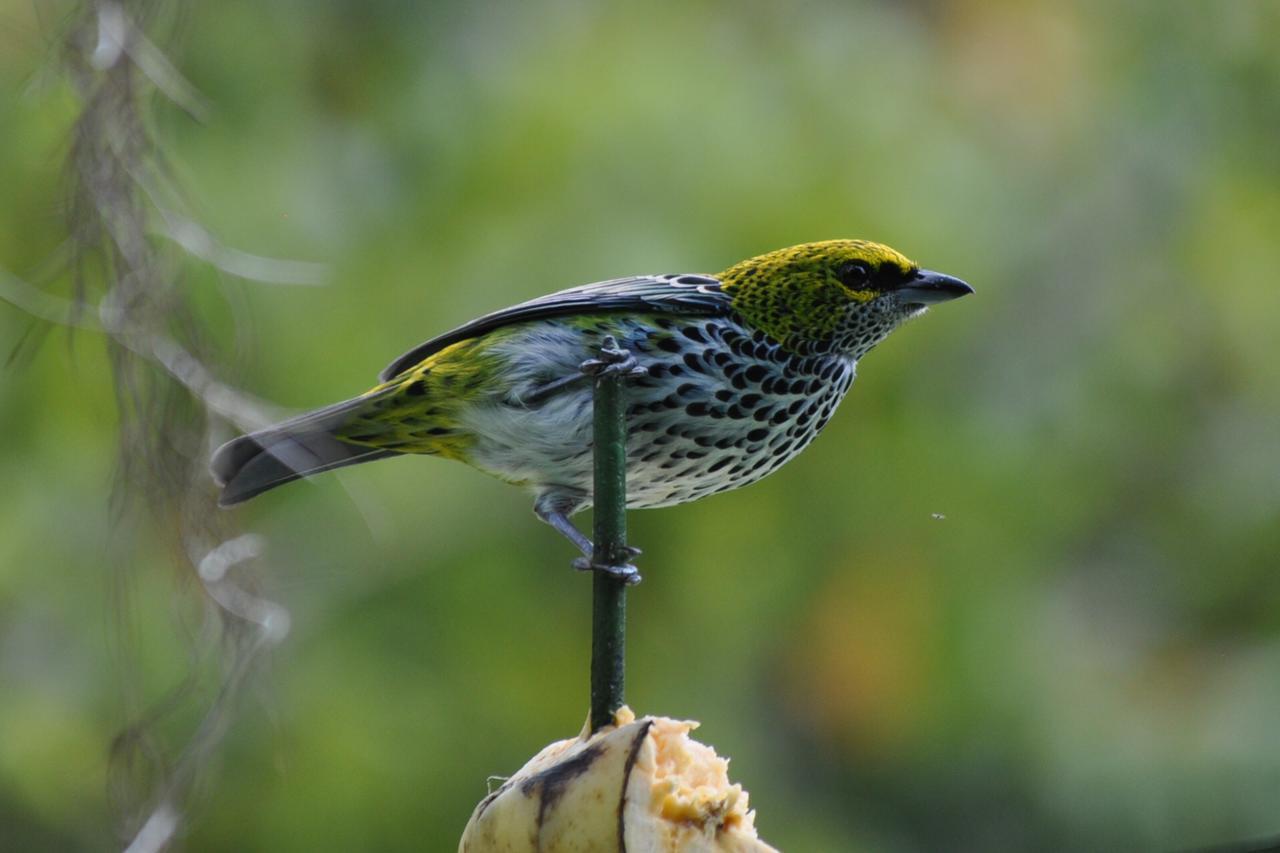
929,288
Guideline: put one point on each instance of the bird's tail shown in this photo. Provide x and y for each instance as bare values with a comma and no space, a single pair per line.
308,444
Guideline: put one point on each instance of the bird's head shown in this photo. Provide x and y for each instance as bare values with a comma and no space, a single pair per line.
835,296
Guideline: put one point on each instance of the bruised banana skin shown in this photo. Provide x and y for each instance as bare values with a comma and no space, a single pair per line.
640,786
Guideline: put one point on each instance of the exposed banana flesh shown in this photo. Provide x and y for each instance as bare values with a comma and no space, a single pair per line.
639,786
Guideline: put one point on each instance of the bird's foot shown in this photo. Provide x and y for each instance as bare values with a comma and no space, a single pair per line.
613,360
624,572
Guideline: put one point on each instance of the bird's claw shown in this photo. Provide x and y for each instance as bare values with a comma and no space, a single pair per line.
613,360
624,572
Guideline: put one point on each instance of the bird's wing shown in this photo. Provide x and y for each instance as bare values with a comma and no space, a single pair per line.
663,294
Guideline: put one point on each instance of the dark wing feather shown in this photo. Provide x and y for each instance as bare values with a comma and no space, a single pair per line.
666,294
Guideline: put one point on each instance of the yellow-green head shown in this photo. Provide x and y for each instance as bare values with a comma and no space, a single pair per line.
838,294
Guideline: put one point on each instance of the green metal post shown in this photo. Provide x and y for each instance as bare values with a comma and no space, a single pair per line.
609,592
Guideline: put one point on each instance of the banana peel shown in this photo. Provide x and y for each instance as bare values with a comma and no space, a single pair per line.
638,786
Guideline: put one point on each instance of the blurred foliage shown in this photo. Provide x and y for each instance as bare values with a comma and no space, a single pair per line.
1082,654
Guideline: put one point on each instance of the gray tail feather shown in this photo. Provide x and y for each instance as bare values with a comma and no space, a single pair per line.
251,464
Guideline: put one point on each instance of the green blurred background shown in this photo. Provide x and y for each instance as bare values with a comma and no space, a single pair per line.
1083,654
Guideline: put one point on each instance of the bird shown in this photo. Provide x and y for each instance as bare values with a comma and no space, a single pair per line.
739,372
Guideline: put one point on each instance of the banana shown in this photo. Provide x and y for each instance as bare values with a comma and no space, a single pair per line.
638,786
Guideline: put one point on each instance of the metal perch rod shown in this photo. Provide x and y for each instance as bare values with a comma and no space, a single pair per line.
609,589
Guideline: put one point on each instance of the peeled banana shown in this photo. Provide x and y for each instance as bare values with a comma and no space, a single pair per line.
639,786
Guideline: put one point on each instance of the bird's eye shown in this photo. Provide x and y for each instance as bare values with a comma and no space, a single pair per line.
855,274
